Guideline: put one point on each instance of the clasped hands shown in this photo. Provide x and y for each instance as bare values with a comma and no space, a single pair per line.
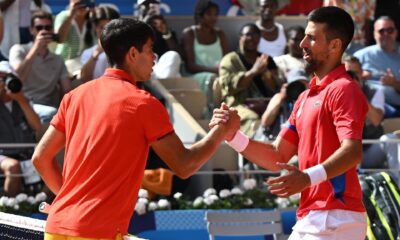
227,118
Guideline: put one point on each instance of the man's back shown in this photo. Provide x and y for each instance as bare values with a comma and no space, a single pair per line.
100,171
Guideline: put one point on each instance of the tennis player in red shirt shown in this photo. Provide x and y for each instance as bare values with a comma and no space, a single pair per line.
325,131
106,127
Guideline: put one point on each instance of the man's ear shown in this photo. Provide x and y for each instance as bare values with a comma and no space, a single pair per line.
132,53
335,45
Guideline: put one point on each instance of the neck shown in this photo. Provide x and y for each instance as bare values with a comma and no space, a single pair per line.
325,70
267,25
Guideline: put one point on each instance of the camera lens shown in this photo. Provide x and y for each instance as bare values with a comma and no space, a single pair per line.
13,83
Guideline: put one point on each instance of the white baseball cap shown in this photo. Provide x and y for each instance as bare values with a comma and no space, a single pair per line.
296,75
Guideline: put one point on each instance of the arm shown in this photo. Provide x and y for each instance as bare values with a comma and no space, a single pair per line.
88,68
188,51
66,85
266,155
390,80
30,115
224,42
273,108
63,28
5,4
185,161
44,158
374,115
346,157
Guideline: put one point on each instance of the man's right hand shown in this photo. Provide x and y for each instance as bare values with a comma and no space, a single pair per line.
228,117
42,40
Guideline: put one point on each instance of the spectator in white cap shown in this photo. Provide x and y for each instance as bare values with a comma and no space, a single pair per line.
281,104
18,124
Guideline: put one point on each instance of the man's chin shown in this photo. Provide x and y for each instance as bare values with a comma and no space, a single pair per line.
310,67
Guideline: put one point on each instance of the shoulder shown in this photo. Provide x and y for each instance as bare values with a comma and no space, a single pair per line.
367,50
232,56
188,31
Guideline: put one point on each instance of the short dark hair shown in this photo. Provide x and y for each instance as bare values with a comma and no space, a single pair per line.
202,7
294,29
338,23
352,59
119,35
251,25
41,15
103,13
384,18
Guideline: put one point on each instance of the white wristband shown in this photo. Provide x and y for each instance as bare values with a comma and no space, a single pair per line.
317,174
239,142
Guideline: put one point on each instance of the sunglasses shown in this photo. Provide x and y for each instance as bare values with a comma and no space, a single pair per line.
389,30
45,27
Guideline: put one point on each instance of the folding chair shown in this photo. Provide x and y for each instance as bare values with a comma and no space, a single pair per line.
243,223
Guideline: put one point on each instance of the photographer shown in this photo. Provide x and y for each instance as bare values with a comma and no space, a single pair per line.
42,72
18,124
281,104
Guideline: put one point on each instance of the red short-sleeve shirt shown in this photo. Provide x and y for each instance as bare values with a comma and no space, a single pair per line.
322,118
109,124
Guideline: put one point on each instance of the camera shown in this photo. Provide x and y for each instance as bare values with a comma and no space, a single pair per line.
88,3
55,37
12,82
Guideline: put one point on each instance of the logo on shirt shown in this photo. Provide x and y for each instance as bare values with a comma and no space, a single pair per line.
317,103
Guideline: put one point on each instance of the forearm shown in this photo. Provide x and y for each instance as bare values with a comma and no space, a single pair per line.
374,115
272,111
51,175
87,69
265,155
346,157
64,29
30,115
247,79
199,153
25,67
4,5
44,158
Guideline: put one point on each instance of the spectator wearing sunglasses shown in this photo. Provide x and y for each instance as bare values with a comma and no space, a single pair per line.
43,73
381,64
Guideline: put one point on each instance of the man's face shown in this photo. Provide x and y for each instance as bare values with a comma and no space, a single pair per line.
144,62
268,9
315,46
42,26
385,34
249,39
295,37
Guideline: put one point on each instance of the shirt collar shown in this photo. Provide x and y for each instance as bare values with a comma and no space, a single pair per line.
120,74
329,78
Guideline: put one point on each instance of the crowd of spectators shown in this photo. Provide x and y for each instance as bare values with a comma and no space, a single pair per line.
261,78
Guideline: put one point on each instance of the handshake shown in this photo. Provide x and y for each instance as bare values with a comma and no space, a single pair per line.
227,119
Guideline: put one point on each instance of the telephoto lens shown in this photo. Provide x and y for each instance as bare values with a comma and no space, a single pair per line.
12,83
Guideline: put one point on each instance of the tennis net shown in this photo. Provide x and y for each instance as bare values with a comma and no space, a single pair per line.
15,227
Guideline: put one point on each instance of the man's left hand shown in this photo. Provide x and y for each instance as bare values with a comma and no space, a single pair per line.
293,182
